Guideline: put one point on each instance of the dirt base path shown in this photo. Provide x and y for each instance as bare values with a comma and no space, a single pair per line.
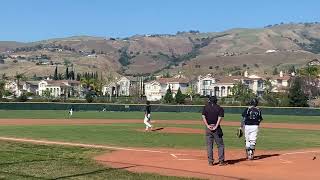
268,165
116,121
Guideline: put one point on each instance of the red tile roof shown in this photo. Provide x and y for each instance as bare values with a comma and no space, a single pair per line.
173,80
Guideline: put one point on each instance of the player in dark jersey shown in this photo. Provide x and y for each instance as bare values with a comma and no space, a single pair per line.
251,120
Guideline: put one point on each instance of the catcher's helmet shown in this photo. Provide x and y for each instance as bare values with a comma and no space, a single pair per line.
254,102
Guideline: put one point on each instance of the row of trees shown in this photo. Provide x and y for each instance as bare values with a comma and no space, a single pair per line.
179,97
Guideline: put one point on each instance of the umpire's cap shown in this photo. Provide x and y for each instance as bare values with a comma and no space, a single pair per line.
254,102
213,99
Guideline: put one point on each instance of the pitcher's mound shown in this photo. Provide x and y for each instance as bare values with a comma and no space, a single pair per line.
176,130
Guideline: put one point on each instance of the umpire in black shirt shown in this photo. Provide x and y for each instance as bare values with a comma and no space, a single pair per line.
212,115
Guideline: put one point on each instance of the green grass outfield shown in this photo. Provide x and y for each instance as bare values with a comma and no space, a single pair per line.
28,161
44,114
126,135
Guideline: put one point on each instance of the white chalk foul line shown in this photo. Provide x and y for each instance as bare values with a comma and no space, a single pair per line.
79,145
173,155
90,146
300,152
187,159
293,153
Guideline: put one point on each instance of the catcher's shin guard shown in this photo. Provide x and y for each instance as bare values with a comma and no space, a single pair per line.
250,153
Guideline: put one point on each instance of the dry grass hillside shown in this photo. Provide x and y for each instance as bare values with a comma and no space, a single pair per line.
259,50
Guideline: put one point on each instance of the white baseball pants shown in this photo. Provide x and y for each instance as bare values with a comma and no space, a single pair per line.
251,133
146,121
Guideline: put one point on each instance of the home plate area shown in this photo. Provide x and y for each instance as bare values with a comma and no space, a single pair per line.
193,163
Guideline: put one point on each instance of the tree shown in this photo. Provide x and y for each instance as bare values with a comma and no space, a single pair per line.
2,88
18,78
242,93
311,72
66,76
179,97
168,98
275,71
268,86
46,93
292,69
66,62
190,92
89,97
297,97
55,76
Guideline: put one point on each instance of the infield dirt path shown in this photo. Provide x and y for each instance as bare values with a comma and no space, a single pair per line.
118,121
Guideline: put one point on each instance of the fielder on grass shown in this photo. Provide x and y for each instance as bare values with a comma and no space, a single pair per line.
147,116
251,118
70,112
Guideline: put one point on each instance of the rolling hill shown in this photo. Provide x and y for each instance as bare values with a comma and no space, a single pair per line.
232,51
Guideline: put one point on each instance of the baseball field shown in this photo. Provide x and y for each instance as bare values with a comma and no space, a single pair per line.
112,145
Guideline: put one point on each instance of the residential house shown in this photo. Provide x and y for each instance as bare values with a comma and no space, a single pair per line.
156,90
255,83
59,88
219,86
280,83
12,86
31,87
314,62
125,86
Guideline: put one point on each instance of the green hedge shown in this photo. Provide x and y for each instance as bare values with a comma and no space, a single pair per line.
155,108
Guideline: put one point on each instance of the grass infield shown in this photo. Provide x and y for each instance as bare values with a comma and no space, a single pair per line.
126,135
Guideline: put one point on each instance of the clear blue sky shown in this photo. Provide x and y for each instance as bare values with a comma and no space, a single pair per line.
32,20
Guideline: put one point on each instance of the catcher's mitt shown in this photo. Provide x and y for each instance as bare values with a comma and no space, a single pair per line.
239,132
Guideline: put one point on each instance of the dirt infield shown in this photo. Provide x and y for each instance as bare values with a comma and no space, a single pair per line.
117,121
268,165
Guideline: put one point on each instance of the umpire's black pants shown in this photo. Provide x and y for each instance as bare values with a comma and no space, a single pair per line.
211,137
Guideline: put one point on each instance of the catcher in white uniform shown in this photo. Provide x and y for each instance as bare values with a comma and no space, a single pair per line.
250,124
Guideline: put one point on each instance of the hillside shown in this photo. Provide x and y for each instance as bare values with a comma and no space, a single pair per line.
231,51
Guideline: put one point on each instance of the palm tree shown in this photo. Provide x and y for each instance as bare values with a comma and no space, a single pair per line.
311,72
87,83
268,86
18,77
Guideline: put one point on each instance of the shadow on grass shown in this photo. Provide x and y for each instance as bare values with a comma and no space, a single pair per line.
157,129
94,172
